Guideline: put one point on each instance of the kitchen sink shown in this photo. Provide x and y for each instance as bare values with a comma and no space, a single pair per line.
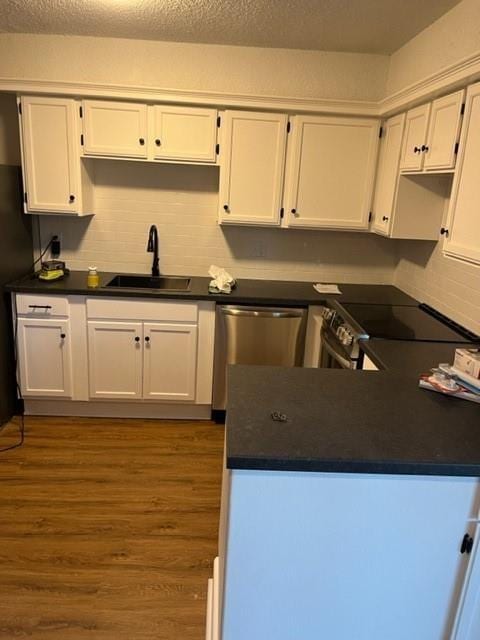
162,283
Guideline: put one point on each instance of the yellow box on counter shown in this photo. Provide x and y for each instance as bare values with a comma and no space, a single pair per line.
468,361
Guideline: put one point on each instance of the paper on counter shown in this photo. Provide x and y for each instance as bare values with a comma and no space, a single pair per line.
326,288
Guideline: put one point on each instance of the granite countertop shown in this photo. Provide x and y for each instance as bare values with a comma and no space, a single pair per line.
353,421
269,292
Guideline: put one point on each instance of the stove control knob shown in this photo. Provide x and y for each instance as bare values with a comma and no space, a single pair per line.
347,338
341,331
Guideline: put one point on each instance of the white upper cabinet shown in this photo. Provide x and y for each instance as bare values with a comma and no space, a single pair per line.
431,134
443,132
415,138
115,128
387,174
252,159
330,172
462,230
183,134
50,155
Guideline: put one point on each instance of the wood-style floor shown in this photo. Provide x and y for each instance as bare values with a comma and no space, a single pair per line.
108,529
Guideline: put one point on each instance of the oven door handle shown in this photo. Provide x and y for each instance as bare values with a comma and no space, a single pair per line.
326,344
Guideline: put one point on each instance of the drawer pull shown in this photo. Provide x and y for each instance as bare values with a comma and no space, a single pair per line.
40,306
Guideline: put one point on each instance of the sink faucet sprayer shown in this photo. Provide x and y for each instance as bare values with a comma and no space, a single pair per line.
152,247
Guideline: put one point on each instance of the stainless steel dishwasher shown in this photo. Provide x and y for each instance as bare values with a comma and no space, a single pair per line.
256,335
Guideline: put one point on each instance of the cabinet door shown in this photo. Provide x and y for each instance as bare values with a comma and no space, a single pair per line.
330,172
415,138
443,132
387,174
182,133
115,129
467,623
115,359
170,368
462,237
51,154
44,355
252,158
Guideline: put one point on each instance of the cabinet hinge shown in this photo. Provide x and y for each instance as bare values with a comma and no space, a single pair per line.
380,133
456,148
289,126
81,139
462,110
25,197
19,107
217,149
369,216
81,111
219,121
282,211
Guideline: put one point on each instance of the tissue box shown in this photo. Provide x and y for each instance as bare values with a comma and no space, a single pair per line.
468,361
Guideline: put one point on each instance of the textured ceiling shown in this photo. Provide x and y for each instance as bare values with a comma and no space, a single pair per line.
368,26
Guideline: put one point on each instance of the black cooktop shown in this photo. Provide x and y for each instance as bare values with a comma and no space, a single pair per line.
422,323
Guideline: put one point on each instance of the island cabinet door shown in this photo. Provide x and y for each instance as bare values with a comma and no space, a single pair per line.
345,556
467,623
170,361
115,359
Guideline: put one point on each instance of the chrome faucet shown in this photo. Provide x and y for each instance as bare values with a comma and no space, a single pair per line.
152,247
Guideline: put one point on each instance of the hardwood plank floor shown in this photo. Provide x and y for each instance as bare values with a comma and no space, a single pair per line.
108,528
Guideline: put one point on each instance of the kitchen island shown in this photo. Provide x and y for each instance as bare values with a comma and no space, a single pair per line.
350,504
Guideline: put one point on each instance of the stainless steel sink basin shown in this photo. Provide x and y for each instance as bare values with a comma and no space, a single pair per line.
162,283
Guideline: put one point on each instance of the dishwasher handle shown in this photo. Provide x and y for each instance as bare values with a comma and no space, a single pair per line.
255,312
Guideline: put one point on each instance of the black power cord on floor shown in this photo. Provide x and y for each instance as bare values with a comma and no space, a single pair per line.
19,393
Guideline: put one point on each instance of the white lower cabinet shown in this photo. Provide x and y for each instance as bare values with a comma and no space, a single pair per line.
44,357
341,556
170,361
95,351
115,359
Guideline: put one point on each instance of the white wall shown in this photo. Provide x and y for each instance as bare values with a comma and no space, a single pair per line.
451,286
452,37
248,70
182,201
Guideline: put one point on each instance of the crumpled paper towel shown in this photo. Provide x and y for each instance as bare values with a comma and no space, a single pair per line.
222,281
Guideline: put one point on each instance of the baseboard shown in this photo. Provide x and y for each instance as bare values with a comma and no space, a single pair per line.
117,410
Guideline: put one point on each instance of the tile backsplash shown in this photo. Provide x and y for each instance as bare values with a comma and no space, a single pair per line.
182,201
451,286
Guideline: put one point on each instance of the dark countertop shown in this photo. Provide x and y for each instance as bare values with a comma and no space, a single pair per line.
353,421
268,292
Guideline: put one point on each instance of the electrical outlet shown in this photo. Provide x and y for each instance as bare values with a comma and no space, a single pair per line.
56,246
258,249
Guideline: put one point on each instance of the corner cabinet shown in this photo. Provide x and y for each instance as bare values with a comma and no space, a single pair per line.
251,168
462,230
51,162
330,172
431,135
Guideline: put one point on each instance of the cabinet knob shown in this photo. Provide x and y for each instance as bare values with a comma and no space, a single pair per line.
137,339
294,211
444,231
142,141
63,336
147,338
385,218
424,148
416,149
225,207
157,142
467,544
71,199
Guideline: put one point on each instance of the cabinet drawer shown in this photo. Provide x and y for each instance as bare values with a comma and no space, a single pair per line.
42,306
129,309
